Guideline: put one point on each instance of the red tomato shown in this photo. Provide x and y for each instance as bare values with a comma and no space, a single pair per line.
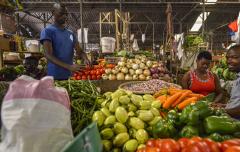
152,149
93,72
98,72
151,143
200,146
183,142
80,73
214,147
87,72
75,74
78,77
233,149
87,67
229,143
93,77
168,145
95,66
102,71
99,77
84,77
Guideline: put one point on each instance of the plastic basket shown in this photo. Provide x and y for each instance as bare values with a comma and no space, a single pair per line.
88,140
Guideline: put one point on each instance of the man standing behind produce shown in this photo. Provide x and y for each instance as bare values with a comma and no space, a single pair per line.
59,44
233,60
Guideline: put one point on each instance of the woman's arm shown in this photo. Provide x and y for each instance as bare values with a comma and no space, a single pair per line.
219,92
185,80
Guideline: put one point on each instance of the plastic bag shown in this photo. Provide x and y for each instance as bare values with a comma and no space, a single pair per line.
35,116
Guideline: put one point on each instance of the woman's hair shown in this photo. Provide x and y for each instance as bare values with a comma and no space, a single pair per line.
204,55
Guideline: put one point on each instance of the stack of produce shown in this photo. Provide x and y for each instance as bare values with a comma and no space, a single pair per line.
92,73
150,86
139,68
222,71
125,119
11,73
83,95
197,120
176,98
195,144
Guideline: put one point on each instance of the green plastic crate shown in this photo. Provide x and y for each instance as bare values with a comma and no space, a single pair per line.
88,140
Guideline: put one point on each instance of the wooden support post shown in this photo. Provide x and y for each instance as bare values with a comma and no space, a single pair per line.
117,30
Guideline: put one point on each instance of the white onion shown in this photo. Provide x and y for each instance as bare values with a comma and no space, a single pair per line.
142,66
112,77
128,77
122,64
139,71
135,66
124,70
123,59
137,61
142,77
148,78
149,64
115,71
129,65
108,71
105,77
135,77
147,72
131,71
120,76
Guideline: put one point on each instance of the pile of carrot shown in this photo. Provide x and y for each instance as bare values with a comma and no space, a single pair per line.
177,98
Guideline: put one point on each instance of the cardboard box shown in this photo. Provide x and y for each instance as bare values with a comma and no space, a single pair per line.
7,23
4,44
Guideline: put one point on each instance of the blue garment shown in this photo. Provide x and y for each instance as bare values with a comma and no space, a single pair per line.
63,41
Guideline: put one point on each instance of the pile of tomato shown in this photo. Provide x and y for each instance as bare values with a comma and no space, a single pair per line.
91,73
195,144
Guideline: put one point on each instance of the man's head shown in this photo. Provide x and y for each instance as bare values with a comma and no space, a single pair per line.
233,58
60,13
204,59
30,64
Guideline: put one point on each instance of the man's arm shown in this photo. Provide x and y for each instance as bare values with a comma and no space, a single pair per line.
218,90
81,54
47,45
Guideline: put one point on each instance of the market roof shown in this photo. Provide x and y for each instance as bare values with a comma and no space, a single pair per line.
143,14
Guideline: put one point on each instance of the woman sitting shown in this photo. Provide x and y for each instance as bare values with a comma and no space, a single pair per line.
201,80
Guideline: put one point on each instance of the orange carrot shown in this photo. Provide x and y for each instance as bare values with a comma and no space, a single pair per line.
162,98
171,100
199,96
187,102
182,97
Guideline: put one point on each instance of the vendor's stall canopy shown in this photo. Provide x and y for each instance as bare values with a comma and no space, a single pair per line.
147,16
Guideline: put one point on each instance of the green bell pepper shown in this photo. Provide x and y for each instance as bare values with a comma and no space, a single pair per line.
220,124
189,131
216,137
173,117
163,129
203,109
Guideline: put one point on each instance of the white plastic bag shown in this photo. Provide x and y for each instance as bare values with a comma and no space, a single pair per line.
35,116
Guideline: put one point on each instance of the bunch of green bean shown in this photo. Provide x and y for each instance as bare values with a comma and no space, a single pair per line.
83,95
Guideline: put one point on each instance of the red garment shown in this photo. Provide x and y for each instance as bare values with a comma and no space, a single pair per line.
203,87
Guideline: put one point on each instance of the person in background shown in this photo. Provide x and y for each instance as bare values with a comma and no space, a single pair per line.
233,61
59,44
201,80
31,68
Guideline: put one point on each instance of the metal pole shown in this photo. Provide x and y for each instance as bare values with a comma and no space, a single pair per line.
45,20
100,26
81,22
153,35
180,27
203,18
